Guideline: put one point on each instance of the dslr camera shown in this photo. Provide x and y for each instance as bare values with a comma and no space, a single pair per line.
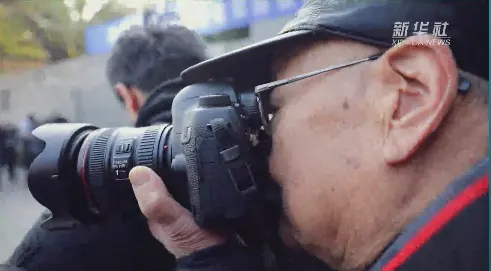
212,159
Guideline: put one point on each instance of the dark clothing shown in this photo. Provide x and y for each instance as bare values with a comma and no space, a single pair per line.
225,257
113,245
127,246
451,234
11,163
8,149
3,142
231,257
157,108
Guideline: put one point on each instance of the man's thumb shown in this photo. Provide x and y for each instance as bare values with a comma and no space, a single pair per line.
153,198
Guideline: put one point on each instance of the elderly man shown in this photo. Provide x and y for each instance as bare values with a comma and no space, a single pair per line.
380,141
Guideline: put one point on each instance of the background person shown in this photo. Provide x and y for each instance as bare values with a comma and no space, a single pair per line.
10,148
140,61
144,69
29,146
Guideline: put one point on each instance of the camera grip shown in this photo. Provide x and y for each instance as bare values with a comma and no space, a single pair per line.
218,189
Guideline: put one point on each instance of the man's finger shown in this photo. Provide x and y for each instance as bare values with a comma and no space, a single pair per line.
153,198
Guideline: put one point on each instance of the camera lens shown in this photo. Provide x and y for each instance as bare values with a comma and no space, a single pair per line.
214,145
83,171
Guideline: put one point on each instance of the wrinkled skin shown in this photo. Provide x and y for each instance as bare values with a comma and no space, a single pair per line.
351,150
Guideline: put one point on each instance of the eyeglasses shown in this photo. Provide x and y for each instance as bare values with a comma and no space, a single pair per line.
263,92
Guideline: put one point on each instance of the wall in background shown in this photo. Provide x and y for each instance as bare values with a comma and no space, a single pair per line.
78,89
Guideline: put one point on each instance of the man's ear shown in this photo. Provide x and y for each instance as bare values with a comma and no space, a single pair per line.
420,81
130,99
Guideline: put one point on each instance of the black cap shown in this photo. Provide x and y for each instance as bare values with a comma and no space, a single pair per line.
379,23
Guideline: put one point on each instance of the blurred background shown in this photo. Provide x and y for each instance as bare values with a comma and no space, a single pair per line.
52,61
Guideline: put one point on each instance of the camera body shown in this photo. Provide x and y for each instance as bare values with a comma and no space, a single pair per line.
206,158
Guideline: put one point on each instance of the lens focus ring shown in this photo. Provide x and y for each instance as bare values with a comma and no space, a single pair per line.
145,151
96,158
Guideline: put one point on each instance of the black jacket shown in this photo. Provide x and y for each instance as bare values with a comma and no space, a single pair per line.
120,246
115,245
451,234
158,107
8,145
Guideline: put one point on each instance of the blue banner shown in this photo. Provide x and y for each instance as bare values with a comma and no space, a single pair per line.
205,17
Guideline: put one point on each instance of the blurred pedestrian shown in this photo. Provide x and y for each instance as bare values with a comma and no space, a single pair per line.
3,135
11,144
29,146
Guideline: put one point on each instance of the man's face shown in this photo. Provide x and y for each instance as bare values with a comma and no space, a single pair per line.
335,134
324,138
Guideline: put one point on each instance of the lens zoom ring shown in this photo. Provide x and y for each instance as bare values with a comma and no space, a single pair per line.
145,153
96,157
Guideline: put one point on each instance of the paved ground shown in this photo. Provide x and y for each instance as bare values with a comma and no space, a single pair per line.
18,210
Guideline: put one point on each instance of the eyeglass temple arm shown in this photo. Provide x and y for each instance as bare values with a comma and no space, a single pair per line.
282,82
463,87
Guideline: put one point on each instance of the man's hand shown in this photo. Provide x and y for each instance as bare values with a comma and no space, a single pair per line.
169,222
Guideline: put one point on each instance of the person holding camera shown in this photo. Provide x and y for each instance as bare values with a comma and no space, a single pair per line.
144,68
381,147
380,138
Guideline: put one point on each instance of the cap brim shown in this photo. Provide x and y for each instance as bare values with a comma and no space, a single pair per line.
253,58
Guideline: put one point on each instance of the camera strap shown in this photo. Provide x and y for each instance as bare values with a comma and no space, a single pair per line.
239,170
233,156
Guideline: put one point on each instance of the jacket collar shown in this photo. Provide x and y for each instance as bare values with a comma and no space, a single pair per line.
157,108
457,196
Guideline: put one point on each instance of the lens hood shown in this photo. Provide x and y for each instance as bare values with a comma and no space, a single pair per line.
46,182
